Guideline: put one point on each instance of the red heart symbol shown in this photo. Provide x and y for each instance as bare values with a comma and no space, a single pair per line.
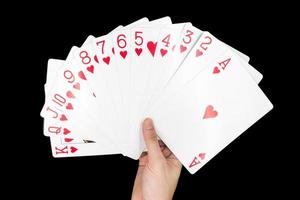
96,59
216,70
66,131
76,86
138,51
68,139
163,52
63,118
201,156
81,75
73,149
123,54
210,112
91,69
182,48
198,53
152,47
106,60
69,106
113,50
70,95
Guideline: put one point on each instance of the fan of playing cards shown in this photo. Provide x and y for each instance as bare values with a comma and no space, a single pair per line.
200,93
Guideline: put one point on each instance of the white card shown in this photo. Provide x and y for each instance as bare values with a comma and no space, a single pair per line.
208,113
168,37
141,60
206,49
70,94
53,66
61,149
71,132
123,56
189,39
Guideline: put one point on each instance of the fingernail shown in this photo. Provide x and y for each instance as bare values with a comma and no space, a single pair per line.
148,124
161,143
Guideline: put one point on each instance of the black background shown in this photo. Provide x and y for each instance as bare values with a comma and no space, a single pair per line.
258,163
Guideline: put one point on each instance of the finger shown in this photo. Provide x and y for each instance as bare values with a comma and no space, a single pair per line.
166,152
137,187
150,138
161,144
143,159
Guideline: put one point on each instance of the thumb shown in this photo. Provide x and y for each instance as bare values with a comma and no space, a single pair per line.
150,138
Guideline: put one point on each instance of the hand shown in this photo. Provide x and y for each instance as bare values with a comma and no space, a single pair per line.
158,170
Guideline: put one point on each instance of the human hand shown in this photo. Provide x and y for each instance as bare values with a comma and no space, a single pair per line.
158,170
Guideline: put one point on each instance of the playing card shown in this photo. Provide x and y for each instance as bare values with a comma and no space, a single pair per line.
77,131
68,133
180,52
70,95
141,39
208,113
166,39
78,125
67,82
53,66
87,59
61,148
165,68
206,49
123,58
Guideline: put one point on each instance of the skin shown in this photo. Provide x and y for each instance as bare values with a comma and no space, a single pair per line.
158,170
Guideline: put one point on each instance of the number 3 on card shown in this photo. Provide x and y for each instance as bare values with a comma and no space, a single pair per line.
188,37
